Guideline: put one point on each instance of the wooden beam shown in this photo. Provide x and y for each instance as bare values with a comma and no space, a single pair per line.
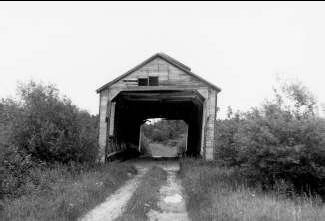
160,96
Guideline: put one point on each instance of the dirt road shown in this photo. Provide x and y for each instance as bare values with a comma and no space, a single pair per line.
171,200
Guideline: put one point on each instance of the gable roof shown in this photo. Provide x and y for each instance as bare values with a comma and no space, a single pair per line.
167,58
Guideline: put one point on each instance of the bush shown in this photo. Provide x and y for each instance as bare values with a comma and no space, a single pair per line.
51,128
282,140
38,129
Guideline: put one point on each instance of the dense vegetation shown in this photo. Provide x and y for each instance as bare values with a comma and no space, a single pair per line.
282,143
37,130
215,193
48,150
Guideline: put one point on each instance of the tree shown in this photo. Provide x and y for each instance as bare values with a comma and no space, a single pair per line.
50,128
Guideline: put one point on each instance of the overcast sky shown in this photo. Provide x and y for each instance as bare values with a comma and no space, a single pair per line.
238,46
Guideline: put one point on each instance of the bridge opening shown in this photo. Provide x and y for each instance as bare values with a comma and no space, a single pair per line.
133,108
163,138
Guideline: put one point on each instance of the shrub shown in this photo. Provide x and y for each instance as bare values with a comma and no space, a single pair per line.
39,129
282,140
51,128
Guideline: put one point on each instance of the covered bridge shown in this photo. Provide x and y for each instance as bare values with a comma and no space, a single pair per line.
159,87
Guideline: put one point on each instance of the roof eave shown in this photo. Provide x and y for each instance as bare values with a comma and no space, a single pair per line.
127,73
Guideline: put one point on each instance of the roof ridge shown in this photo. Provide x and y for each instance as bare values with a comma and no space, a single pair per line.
174,60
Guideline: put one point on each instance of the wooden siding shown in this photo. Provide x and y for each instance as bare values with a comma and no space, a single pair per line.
168,74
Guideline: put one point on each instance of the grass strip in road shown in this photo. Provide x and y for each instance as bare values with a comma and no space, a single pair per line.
145,197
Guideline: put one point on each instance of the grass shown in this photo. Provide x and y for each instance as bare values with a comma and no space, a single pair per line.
145,197
63,195
219,194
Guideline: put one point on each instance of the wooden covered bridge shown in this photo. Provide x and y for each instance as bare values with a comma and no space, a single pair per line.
159,87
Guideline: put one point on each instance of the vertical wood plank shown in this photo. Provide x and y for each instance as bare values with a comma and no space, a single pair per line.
112,119
203,131
102,125
108,116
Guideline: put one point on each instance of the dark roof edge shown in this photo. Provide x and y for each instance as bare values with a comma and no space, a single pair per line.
166,58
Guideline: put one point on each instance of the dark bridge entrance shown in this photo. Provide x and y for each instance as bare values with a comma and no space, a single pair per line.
132,108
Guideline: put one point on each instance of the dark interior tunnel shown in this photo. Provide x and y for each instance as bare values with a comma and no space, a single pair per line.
134,107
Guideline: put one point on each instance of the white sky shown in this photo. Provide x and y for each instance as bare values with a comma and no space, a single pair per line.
240,47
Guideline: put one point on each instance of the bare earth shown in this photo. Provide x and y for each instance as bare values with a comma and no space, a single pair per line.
171,199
